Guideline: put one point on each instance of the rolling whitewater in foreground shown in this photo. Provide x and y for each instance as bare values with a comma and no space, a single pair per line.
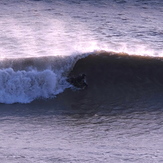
117,44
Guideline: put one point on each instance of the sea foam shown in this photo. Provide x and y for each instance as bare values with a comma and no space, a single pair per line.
25,86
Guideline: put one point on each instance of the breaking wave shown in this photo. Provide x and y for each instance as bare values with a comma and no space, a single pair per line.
24,80
25,86
110,77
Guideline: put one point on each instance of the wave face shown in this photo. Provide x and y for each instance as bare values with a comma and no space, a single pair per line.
120,80
110,68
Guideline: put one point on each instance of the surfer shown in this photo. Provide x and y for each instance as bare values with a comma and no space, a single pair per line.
79,81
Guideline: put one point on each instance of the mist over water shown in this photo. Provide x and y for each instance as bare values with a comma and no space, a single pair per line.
118,118
48,28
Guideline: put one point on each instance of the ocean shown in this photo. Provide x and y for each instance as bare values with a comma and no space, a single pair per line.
117,44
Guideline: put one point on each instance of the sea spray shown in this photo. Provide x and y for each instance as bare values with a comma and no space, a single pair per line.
25,86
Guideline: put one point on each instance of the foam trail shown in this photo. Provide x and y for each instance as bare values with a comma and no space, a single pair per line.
25,86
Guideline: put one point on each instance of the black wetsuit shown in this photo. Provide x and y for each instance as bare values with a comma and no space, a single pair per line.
79,81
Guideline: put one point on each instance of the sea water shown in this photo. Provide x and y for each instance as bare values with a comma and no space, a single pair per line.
53,27
118,118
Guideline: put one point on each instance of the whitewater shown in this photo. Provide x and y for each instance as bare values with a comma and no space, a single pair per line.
117,44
